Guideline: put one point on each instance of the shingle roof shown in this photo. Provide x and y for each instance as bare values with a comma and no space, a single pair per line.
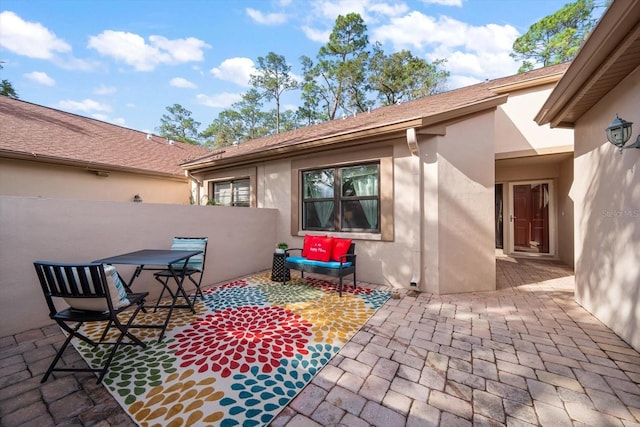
32,131
419,109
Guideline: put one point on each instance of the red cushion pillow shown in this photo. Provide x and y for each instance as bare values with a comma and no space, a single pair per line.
320,249
308,241
340,247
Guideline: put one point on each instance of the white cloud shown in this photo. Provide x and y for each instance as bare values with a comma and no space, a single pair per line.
29,39
86,105
105,118
236,70
457,3
266,19
457,81
102,117
40,78
221,100
332,8
133,50
104,90
386,9
182,83
316,35
473,53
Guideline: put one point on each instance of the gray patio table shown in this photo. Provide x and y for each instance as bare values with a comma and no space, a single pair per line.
157,259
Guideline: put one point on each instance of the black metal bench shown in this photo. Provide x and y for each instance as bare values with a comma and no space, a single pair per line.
331,268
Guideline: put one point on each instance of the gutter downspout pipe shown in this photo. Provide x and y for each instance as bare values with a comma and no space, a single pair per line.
417,174
198,185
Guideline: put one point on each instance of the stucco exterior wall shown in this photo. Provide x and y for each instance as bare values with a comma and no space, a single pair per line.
241,242
606,198
517,134
465,219
565,212
39,179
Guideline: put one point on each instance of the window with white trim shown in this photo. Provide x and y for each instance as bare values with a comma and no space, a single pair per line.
236,192
345,198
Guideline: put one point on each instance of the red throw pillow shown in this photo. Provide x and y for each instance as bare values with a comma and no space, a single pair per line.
308,242
340,247
320,249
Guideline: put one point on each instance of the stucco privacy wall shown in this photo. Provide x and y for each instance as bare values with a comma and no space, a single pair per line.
241,242
39,179
607,214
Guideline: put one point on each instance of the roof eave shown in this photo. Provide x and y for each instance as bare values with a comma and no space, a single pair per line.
602,48
528,84
89,166
348,139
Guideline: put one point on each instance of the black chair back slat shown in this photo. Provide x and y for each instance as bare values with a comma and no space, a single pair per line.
85,281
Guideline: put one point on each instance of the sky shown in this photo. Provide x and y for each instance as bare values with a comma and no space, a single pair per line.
125,62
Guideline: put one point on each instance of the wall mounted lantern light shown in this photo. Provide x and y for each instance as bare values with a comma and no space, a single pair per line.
619,132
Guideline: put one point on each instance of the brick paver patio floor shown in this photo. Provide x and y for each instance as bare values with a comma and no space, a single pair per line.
526,354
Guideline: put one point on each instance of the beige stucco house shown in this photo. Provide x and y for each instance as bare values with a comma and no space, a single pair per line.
428,189
53,154
602,81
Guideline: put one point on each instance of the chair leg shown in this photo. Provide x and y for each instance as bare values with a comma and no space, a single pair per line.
198,289
62,349
124,331
165,286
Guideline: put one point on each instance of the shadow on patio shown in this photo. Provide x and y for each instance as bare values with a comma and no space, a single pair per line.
525,354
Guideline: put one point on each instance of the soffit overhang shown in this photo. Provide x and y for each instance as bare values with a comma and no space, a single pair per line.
610,53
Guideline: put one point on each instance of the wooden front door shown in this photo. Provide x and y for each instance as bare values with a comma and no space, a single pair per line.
531,218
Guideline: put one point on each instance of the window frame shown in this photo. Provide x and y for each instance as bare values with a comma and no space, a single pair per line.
231,183
340,200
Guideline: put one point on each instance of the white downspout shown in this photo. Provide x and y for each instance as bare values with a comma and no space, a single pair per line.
198,185
417,174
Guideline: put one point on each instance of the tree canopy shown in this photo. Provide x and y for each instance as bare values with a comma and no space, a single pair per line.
273,79
6,88
178,125
555,38
348,75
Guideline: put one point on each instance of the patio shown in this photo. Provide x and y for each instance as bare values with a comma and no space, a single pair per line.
526,354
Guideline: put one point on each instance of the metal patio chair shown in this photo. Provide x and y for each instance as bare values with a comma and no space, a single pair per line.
93,294
194,269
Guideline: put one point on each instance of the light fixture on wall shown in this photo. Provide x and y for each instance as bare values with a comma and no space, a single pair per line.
137,198
619,132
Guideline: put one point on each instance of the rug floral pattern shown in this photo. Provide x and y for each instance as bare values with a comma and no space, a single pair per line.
251,347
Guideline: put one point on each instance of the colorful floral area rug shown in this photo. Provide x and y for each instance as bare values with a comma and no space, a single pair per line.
251,347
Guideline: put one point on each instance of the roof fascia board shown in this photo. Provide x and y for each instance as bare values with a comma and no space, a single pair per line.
89,166
465,110
527,84
348,139
616,25
593,79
